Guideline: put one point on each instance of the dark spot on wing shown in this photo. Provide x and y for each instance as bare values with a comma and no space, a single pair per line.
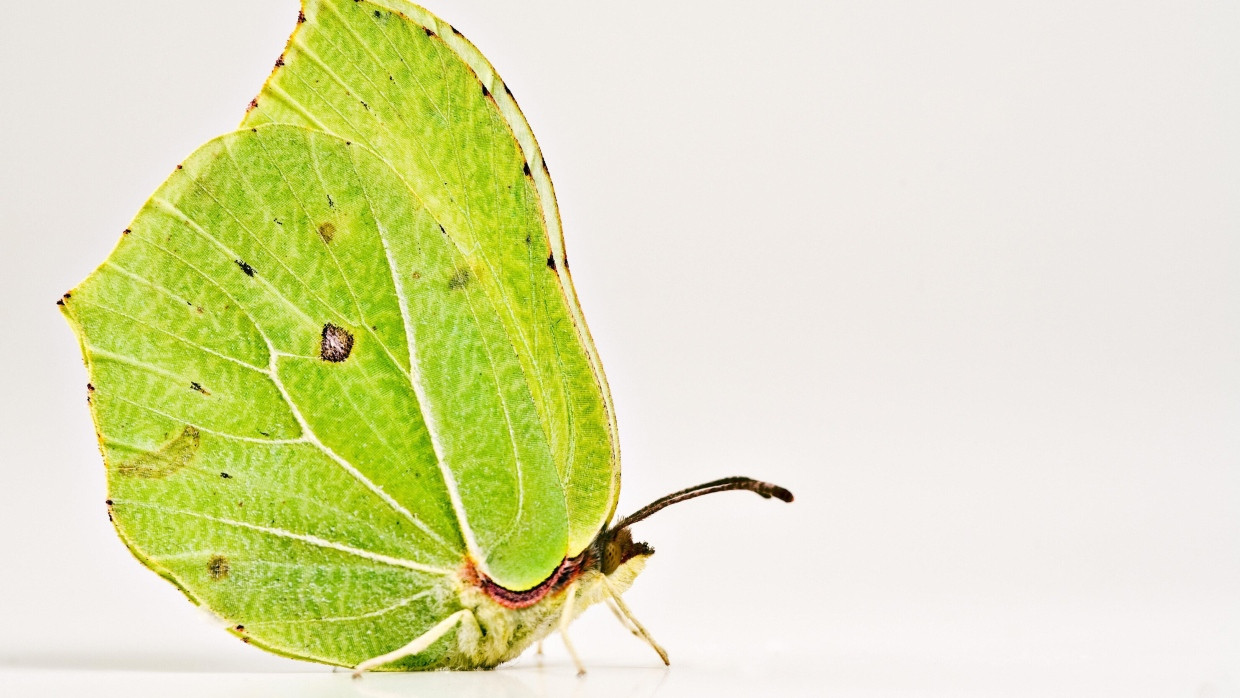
253,105
417,275
198,387
277,221
428,32
364,104
301,17
551,262
454,30
280,60
240,628
459,279
226,476
485,91
327,231
218,567
126,231
330,202
508,90
170,458
180,167
90,387
336,343
249,270
525,167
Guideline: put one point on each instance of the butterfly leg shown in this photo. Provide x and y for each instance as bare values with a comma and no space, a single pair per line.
419,644
566,616
637,626
615,611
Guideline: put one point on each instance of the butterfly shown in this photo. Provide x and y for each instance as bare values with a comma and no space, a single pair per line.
344,391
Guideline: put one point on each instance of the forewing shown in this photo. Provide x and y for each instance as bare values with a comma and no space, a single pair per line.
299,389
402,82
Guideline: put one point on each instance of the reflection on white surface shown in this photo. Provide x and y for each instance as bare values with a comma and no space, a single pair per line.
832,676
529,681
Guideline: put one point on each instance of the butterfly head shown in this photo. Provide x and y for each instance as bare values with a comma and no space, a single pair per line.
616,547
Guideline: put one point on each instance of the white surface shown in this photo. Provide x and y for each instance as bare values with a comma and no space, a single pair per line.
964,276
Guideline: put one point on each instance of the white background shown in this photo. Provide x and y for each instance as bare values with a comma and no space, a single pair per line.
965,276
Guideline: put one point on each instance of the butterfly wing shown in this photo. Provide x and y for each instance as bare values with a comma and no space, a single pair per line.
405,84
306,401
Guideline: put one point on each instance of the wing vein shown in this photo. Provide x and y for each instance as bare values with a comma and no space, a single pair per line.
176,211
177,337
339,619
365,323
415,381
313,438
302,537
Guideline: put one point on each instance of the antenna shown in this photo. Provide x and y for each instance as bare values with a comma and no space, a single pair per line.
765,489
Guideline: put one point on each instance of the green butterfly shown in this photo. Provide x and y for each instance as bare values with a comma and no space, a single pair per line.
342,384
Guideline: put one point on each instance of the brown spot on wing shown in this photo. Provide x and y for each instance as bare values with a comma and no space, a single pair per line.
459,279
218,567
327,231
336,343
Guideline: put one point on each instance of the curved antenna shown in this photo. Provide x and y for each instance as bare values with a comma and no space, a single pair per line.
765,489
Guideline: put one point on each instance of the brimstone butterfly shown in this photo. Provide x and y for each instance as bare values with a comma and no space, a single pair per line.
344,391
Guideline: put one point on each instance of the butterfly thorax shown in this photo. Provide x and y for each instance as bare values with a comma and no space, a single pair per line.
509,621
